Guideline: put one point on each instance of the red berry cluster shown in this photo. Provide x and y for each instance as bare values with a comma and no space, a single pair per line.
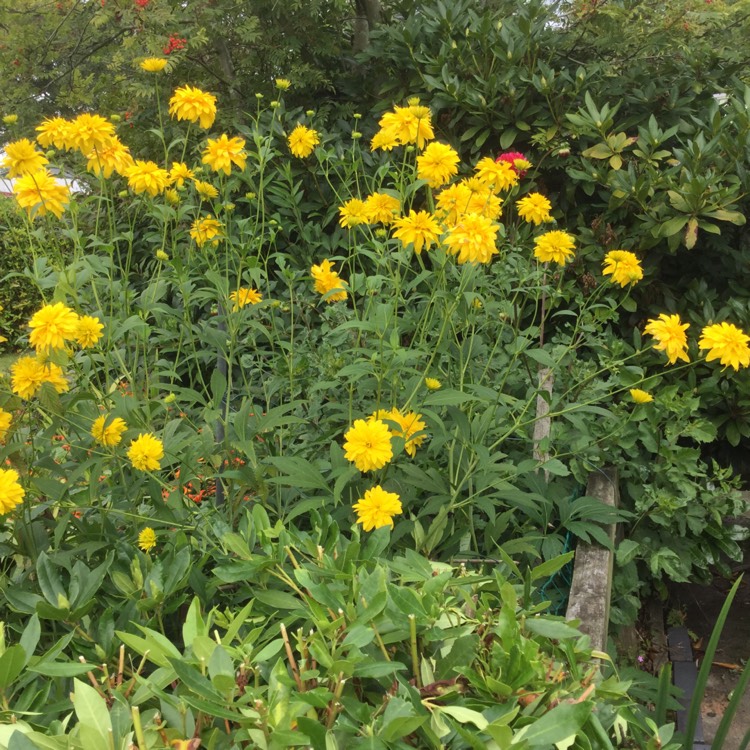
175,43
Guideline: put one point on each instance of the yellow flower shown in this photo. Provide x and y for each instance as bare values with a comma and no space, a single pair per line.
669,332
420,229
162,256
368,444
437,164
222,152
52,327
624,267
377,508
204,230
406,125
327,280
534,208
433,384
147,539
555,246
41,193
5,419
381,208
172,196
113,156
473,239
482,200
147,177
302,141
87,132
27,376
110,434
205,189
22,158
145,452
153,64
498,176
54,132
353,212
245,296
10,119
29,373
283,84
179,173
727,343
453,201
384,139
409,425
88,331
54,375
193,105
641,397
11,492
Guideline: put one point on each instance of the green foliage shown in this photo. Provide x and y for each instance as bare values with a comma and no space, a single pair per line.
19,296
338,646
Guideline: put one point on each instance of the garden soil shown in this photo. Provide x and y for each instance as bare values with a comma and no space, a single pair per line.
701,606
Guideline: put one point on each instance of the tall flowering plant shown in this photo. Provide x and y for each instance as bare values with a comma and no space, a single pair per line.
357,328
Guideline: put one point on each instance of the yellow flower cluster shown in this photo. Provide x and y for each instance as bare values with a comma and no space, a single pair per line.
404,125
328,283
53,328
11,492
206,229
146,452
195,106
623,266
147,539
108,432
302,141
55,325
723,341
377,508
408,426
245,296
669,332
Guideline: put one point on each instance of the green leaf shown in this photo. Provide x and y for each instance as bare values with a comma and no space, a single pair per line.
194,624
19,741
30,637
507,138
378,669
297,472
550,567
555,467
559,724
626,551
49,581
673,226
60,669
12,663
600,151
278,599
447,397
465,716
93,715
160,649
551,628
192,679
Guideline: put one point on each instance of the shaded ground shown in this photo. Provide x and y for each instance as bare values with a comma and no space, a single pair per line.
701,605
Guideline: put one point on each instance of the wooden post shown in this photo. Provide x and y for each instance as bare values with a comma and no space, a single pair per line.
591,589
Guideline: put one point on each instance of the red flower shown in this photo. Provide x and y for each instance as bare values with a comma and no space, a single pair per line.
142,3
510,157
